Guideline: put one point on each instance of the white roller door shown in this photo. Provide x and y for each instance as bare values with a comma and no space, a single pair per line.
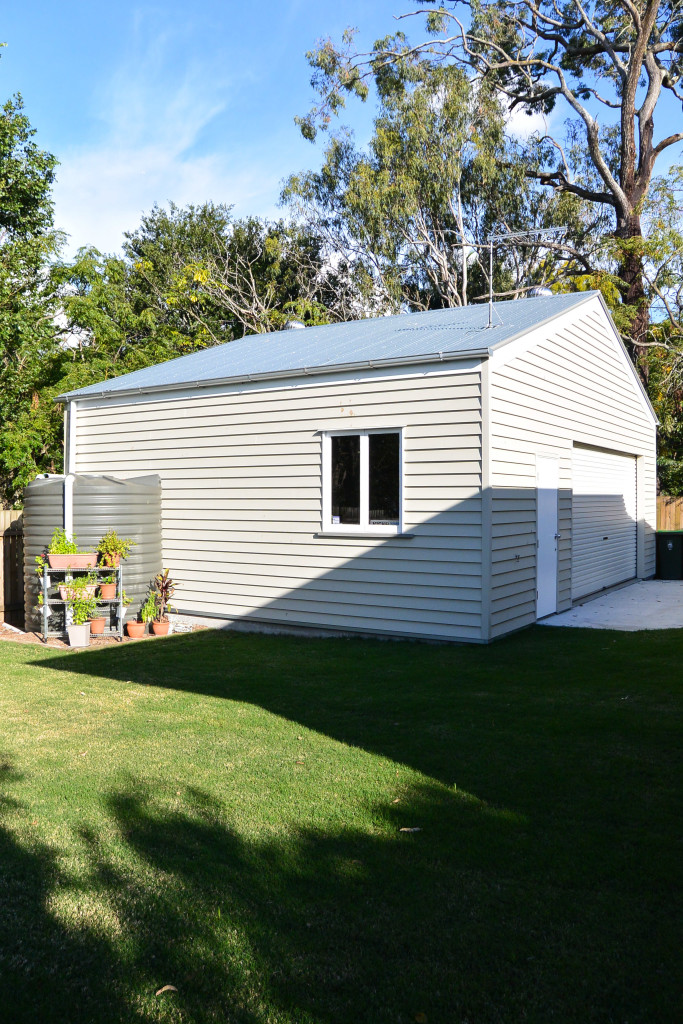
603,520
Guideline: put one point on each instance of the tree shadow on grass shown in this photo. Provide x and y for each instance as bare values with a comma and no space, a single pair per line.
513,723
413,702
453,922
546,911
460,921
47,971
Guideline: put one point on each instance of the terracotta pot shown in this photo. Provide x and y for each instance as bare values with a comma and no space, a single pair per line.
107,591
65,592
97,627
111,561
135,629
81,560
161,628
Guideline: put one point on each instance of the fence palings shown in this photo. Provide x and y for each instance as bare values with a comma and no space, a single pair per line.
669,513
12,568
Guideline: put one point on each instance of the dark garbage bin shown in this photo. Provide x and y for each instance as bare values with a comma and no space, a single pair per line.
670,554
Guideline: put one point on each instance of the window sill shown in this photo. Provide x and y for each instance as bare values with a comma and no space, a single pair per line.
365,535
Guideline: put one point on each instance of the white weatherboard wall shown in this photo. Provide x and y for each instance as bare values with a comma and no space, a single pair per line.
241,485
567,383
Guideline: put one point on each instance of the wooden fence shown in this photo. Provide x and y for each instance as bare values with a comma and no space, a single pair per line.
669,513
12,568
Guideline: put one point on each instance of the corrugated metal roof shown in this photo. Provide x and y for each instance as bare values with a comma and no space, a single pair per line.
406,338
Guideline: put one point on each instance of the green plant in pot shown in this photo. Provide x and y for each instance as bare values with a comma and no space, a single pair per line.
113,548
97,623
62,553
164,588
108,587
84,586
136,628
148,610
81,606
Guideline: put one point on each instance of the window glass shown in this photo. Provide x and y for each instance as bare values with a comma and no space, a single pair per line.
384,479
346,479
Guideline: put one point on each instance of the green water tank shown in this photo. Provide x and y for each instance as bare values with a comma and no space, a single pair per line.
670,554
100,502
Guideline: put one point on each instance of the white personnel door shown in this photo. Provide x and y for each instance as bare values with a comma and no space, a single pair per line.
547,481
604,531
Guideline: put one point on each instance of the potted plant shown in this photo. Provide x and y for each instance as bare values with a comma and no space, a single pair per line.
108,587
136,627
82,606
113,548
164,588
81,585
97,624
63,553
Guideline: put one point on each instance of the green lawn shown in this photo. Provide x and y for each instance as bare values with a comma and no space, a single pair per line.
223,813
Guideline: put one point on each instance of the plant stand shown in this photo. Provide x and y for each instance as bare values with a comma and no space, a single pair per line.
55,607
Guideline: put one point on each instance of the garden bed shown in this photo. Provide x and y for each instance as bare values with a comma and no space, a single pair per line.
19,636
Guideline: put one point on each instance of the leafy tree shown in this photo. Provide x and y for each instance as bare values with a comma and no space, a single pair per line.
413,214
29,351
26,177
158,251
608,64
663,270
190,278
255,277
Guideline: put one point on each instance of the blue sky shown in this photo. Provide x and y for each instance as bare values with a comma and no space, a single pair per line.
157,102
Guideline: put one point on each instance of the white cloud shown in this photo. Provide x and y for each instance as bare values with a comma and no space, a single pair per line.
103,191
522,126
148,152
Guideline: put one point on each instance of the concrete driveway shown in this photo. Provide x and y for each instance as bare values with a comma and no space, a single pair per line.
651,604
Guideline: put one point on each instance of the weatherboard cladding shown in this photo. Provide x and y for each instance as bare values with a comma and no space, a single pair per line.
241,503
573,387
437,334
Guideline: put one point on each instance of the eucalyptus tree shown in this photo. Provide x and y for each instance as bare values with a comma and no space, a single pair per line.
606,65
412,214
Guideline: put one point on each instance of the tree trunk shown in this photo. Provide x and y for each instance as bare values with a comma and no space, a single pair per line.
631,273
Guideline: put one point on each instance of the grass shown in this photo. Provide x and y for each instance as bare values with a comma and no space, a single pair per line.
223,813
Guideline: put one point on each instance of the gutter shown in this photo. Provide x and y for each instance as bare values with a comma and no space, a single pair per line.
303,371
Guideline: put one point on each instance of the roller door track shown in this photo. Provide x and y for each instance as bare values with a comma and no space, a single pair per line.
604,530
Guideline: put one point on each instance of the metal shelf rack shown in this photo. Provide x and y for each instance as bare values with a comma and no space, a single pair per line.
52,605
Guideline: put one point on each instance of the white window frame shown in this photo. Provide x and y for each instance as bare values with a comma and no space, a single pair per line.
364,526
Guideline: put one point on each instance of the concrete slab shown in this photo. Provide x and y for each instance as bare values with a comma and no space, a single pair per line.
650,604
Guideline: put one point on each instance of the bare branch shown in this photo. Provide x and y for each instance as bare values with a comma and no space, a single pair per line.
671,140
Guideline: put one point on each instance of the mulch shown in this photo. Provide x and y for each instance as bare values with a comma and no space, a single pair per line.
20,637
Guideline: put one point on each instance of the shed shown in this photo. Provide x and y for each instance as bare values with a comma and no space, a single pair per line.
420,475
